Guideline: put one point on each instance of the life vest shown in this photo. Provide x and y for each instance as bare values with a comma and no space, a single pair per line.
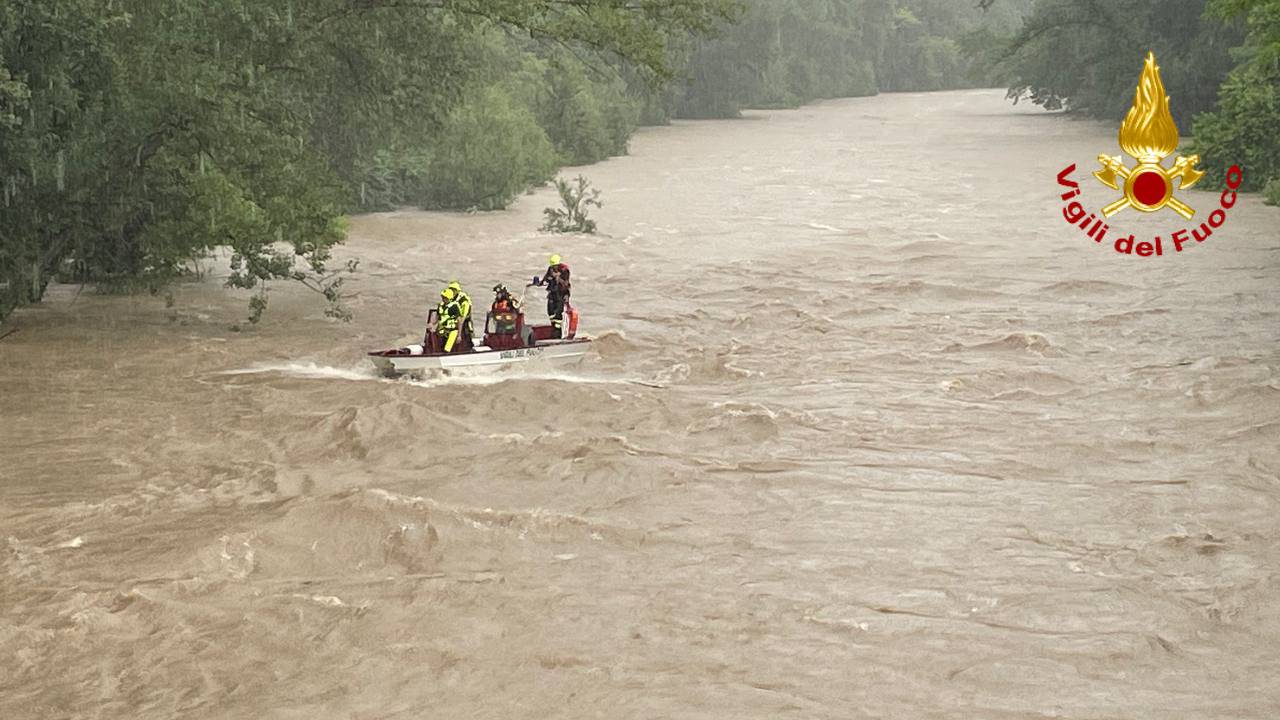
448,314
504,315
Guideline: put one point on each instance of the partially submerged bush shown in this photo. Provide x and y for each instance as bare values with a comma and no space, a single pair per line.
1271,192
575,198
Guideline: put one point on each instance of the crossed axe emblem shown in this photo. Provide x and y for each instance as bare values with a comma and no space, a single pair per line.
1148,186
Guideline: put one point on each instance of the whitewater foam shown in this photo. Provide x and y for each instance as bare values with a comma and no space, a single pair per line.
313,371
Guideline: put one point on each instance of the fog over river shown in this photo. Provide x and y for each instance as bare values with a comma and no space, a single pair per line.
869,432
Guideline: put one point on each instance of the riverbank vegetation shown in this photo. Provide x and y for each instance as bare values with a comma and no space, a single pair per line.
783,53
1219,59
136,136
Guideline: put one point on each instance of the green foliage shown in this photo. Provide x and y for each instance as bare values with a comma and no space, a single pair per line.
392,177
638,33
527,108
1262,21
1086,55
787,52
781,54
489,151
587,120
931,63
52,60
575,198
157,131
1066,56
1242,129
1271,193
532,109
136,135
922,50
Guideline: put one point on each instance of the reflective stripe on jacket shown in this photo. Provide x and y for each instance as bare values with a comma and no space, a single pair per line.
449,314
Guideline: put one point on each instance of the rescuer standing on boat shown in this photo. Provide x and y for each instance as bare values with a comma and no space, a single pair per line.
556,280
448,318
464,304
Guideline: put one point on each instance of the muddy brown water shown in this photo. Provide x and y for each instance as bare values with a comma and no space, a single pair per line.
869,432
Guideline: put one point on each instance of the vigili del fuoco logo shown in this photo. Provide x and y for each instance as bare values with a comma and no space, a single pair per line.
1149,136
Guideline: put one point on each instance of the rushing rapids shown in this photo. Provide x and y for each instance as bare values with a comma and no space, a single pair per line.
866,432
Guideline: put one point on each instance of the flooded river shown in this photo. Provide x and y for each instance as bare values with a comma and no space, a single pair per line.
869,432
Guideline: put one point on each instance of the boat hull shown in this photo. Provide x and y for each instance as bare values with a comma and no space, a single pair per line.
415,361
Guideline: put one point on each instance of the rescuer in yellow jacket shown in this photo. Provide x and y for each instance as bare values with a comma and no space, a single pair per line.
464,303
448,318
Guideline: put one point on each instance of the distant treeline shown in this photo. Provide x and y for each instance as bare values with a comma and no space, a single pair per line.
783,53
530,107
1219,59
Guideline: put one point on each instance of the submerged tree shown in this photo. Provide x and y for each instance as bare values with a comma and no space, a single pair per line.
571,216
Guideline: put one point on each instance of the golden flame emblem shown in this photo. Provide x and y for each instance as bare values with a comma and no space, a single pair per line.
1149,135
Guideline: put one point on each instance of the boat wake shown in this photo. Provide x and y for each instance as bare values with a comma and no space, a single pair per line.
309,370
313,371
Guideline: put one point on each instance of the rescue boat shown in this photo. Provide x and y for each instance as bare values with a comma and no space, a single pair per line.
507,341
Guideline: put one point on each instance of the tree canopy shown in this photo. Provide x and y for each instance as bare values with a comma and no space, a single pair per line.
1244,128
1219,59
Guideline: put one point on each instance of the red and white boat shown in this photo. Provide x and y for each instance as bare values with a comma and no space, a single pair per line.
507,341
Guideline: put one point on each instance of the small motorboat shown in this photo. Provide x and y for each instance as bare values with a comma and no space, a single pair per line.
507,341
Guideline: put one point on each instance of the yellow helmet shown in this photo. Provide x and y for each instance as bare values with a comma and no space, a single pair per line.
449,293
553,260
454,286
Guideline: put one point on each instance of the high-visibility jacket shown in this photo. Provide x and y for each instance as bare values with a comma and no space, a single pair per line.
449,314
464,308
464,303
448,325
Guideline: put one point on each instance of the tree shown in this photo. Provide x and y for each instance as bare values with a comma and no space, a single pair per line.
786,52
1085,55
571,216
1242,129
489,151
